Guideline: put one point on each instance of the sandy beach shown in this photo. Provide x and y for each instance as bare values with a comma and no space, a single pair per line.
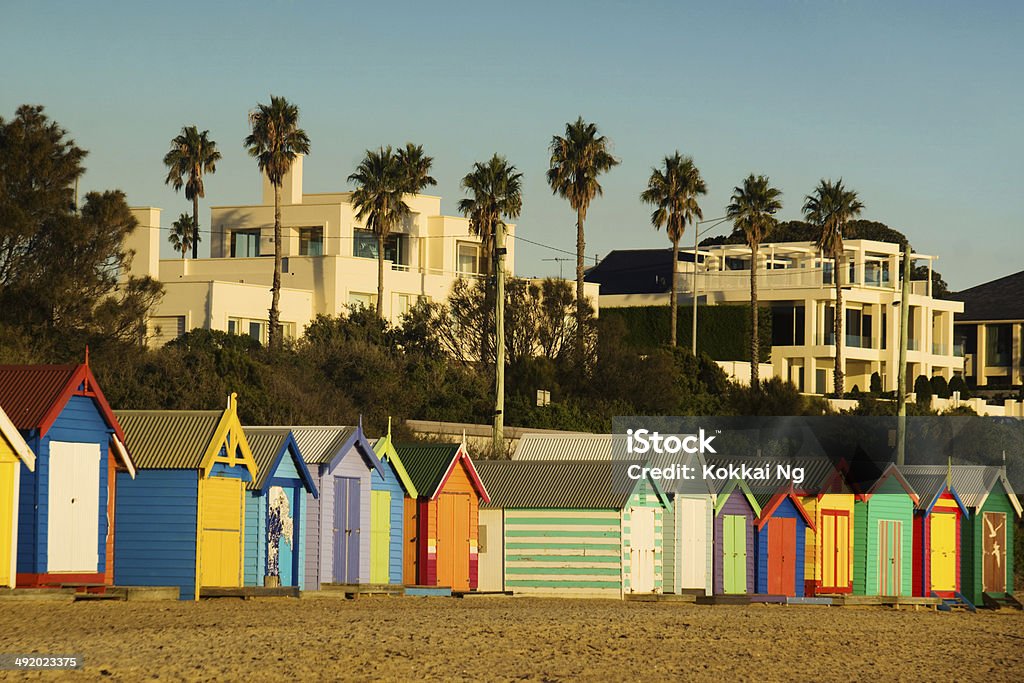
508,639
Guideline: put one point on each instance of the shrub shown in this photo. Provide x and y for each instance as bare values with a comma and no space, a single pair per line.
923,390
940,387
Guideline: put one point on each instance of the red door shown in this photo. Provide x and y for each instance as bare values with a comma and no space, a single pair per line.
782,556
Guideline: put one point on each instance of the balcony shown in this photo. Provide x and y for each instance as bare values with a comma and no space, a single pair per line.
940,349
959,349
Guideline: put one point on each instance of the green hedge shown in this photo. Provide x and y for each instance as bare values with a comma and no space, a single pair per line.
723,332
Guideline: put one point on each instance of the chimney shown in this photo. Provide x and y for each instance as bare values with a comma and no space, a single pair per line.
145,242
291,185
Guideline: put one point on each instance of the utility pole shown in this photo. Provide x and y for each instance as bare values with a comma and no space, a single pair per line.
901,377
499,321
693,333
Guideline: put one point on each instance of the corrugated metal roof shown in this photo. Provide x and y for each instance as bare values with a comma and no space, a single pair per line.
427,463
558,484
928,480
817,471
265,444
28,391
972,483
319,445
168,439
571,447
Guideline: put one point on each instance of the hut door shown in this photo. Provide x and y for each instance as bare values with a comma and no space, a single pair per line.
220,548
890,556
346,530
283,530
692,542
641,550
943,562
453,541
782,556
734,554
8,471
835,550
380,536
993,546
73,522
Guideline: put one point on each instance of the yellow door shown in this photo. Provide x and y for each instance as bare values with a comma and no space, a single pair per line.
943,543
8,470
220,545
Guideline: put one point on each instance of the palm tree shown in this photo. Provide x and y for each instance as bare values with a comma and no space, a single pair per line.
191,155
417,168
577,159
752,212
183,234
830,207
673,191
275,141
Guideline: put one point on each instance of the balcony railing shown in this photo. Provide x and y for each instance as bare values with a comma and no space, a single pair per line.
959,350
940,349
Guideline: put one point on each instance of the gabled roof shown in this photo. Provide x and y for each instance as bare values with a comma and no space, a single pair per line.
559,484
974,484
892,472
385,450
10,434
324,445
929,481
269,446
430,465
727,487
1000,299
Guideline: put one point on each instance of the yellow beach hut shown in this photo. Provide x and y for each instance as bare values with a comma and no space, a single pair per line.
14,454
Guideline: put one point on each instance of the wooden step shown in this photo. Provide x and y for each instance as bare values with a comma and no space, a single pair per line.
957,602
1005,601
247,592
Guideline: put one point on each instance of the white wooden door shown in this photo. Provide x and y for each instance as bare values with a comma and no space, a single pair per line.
74,505
692,542
641,550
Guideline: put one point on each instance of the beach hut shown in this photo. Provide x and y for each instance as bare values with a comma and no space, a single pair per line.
66,504
441,523
987,534
937,528
275,509
733,550
883,536
828,564
14,454
780,534
338,530
389,487
181,521
572,528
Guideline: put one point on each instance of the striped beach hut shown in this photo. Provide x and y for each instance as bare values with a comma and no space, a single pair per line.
276,509
937,530
389,487
781,531
66,504
340,460
442,523
181,521
828,564
987,535
735,514
14,454
579,528
883,536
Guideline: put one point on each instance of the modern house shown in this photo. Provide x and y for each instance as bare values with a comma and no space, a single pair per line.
796,281
330,262
989,332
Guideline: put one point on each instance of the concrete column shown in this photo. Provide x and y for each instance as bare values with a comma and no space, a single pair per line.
980,362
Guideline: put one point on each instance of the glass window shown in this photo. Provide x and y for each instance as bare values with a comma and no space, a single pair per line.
362,299
311,241
233,325
396,246
468,259
256,330
998,344
245,243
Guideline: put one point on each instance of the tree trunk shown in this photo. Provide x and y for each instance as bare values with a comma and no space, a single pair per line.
273,331
837,325
580,298
755,341
488,237
195,226
380,275
672,302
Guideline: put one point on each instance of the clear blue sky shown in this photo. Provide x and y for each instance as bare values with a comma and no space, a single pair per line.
919,106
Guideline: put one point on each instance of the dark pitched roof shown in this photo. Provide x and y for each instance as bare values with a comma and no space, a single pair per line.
268,446
635,271
320,445
558,484
27,392
427,463
1001,299
168,439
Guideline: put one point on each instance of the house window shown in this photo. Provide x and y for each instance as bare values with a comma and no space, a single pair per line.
468,259
998,344
162,329
403,303
311,241
362,300
245,243
396,247
257,329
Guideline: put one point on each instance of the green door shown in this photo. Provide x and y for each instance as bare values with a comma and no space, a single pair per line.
380,536
734,554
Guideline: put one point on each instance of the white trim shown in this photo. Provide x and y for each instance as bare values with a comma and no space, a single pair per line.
123,454
18,444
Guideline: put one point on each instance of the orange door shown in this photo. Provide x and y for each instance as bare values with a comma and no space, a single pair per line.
453,541
409,532
782,556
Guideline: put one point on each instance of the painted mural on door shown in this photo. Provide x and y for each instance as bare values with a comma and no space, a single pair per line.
281,502
74,507
782,556
346,530
641,550
734,554
890,563
993,579
943,555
